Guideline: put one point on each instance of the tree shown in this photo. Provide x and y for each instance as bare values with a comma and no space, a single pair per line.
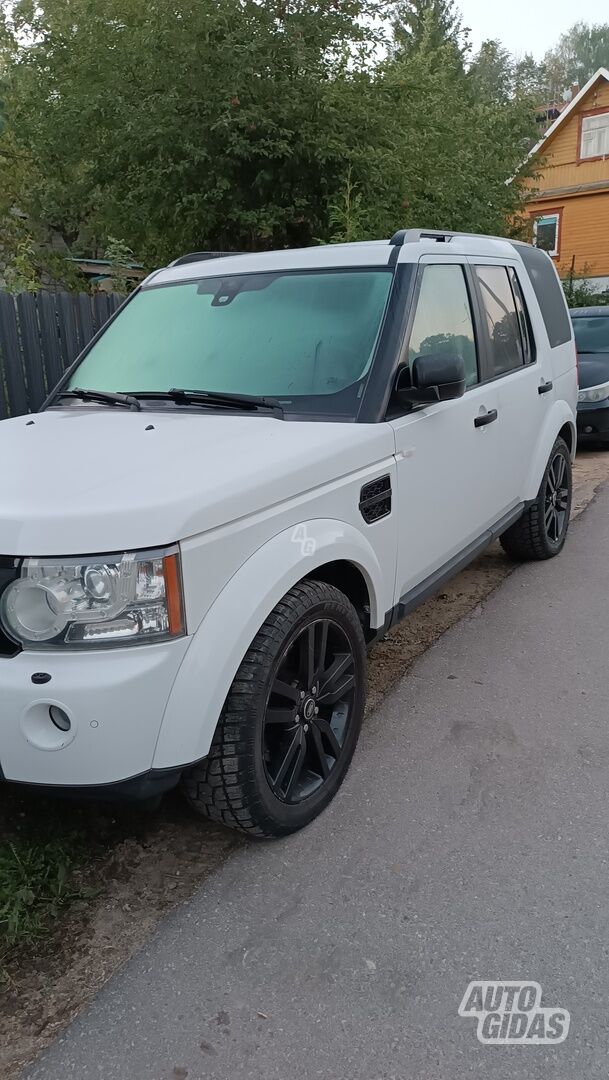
531,79
227,124
433,21
579,53
242,125
457,144
493,71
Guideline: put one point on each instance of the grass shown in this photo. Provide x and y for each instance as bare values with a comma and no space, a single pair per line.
35,883
47,848
44,847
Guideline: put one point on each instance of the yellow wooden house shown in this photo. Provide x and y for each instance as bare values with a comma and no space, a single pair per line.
569,203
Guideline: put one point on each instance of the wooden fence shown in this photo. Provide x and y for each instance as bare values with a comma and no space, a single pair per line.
40,336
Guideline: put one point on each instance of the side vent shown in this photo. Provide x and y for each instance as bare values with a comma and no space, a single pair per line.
375,499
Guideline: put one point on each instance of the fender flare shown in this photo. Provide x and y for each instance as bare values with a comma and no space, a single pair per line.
559,415
231,624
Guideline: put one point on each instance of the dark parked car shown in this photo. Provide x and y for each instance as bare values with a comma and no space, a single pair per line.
592,339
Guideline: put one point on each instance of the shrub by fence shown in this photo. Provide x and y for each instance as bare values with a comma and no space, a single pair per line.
40,336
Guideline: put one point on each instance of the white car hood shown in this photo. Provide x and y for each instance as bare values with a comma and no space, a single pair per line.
88,480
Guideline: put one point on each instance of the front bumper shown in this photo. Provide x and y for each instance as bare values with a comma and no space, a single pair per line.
114,699
592,420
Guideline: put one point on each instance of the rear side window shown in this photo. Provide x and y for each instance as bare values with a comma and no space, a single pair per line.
524,322
548,292
506,350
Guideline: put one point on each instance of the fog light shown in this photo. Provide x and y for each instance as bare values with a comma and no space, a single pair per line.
588,430
59,718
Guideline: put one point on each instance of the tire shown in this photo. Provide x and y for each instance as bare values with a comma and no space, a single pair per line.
309,655
542,530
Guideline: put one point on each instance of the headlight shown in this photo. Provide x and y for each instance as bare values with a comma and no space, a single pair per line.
595,393
96,602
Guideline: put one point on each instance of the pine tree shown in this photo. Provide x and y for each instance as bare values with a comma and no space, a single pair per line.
436,21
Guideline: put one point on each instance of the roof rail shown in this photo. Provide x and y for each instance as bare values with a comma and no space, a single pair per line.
412,236
441,236
202,256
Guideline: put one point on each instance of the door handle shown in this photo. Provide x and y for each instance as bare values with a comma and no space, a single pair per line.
545,387
485,418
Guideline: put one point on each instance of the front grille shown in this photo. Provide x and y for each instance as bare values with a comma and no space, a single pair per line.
9,571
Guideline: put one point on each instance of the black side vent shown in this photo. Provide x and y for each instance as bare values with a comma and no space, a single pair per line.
9,570
375,499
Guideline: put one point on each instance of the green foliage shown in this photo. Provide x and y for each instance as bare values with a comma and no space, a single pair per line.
579,53
121,258
34,886
428,23
235,124
579,292
348,215
459,144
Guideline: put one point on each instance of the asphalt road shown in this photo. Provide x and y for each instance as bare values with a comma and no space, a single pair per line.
469,841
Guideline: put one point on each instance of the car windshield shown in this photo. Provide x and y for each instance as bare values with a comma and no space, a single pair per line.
306,338
592,334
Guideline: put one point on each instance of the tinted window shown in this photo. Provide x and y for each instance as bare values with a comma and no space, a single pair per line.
548,292
506,351
592,335
526,333
304,337
443,319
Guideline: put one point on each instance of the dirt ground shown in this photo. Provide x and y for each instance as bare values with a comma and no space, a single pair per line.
154,861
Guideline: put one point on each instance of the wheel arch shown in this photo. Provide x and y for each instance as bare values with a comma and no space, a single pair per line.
559,421
568,433
349,578
329,550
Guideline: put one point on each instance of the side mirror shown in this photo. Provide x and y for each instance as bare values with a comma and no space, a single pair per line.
433,377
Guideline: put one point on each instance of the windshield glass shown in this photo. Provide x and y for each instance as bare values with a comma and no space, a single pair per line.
592,335
306,338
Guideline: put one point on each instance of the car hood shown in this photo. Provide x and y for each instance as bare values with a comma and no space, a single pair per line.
593,369
88,480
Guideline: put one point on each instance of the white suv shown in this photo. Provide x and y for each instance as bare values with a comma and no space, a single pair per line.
259,465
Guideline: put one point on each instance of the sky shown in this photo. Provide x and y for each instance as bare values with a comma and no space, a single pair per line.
528,25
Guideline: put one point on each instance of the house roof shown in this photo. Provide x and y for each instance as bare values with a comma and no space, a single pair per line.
602,73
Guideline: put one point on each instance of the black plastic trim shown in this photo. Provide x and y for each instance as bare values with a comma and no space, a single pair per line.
203,256
144,785
426,588
9,572
375,399
375,499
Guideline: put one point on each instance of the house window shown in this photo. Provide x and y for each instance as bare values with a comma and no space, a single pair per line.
594,136
545,231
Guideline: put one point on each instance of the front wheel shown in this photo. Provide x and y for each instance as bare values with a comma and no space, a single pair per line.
542,530
291,720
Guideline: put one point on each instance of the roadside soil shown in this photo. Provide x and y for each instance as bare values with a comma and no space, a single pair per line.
149,862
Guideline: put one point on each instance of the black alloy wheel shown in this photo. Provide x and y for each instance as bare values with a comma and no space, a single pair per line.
291,720
308,710
541,531
557,498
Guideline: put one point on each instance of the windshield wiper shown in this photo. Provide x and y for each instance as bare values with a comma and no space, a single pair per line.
102,397
213,399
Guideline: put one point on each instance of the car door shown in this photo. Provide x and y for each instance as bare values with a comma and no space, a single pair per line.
447,453
523,393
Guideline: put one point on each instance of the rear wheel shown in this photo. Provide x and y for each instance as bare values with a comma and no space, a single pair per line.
542,530
292,718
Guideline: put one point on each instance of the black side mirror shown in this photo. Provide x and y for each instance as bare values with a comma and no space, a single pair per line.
433,377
